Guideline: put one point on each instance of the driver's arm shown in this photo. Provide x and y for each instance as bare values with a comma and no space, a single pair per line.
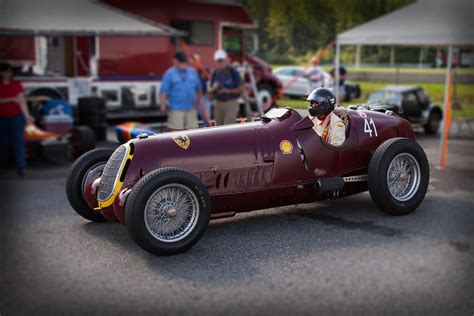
338,133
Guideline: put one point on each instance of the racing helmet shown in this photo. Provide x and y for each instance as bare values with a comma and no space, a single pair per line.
321,102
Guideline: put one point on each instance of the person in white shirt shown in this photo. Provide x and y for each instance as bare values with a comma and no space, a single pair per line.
330,127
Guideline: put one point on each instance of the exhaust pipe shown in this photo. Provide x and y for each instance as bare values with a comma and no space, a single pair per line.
329,184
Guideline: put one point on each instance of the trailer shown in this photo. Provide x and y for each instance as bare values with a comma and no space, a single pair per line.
126,68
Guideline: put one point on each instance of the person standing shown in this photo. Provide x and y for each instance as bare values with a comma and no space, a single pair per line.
180,94
316,75
13,117
342,89
226,87
204,75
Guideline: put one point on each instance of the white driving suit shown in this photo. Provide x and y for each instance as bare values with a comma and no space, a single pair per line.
331,130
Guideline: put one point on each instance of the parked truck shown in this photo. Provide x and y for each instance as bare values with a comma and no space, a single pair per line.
126,71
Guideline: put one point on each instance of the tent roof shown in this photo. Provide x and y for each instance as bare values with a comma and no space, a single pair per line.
73,17
423,23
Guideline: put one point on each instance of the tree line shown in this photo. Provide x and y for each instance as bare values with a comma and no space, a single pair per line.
293,30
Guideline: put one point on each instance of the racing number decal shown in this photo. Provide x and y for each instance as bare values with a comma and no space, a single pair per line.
369,127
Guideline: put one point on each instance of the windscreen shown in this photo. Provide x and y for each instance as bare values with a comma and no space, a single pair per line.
385,97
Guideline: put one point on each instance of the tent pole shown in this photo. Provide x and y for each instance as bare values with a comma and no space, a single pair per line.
420,59
357,61
392,56
443,144
336,64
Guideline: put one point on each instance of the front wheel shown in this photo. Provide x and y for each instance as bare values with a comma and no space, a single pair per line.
167,211
85,170
398,176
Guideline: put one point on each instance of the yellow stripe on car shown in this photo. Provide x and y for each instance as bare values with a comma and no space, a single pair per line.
118,184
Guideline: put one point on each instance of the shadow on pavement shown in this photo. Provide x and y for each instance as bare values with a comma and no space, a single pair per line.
236,248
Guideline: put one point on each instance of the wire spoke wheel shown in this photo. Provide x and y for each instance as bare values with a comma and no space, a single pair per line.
403,177
171,212
167,211
398,176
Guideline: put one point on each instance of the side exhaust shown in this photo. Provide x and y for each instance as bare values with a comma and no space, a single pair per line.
329,184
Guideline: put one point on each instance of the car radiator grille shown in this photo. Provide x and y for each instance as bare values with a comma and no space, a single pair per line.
111,173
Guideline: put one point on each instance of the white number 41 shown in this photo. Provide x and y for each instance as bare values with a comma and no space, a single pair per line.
369,127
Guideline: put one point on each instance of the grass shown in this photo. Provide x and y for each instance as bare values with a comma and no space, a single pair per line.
409,70
465,96
393,69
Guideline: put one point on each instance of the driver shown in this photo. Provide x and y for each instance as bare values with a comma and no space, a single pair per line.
326,124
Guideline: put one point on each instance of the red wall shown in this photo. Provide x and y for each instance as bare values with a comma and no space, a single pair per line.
84,49
134,56
17,49
142,56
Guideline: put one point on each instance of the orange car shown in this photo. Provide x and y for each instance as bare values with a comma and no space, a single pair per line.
56,146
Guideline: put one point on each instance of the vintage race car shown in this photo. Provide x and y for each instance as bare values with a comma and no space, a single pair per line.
166,187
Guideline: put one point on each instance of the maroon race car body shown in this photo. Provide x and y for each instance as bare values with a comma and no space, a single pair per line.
243,167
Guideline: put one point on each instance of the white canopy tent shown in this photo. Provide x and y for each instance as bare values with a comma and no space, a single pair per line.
423,23
74,17
434,23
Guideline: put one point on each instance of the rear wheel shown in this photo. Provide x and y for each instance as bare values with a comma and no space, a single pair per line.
265,94
398,176
356,91
85,170
434,120
167,211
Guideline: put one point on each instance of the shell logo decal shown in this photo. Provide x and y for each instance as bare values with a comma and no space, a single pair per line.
286,147
182,141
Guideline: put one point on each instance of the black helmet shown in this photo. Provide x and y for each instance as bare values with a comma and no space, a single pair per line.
321,102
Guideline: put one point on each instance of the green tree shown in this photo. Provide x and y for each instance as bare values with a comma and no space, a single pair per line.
289,29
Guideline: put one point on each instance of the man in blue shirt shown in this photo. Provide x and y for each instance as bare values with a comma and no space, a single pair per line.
226,86
180,94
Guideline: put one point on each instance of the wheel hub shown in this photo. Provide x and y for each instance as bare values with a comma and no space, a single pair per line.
171,213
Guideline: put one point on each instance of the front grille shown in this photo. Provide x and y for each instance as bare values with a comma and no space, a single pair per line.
110,174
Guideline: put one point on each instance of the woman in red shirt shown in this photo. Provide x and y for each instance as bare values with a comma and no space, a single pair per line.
13,117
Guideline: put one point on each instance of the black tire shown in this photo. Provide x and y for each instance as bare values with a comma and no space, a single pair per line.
347,96
92,111
100,131
434,120
74,182
82,139
378,170
139,196
357,91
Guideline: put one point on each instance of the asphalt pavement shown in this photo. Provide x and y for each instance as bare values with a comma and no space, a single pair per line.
335,257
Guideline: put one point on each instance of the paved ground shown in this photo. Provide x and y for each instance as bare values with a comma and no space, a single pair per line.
341,256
